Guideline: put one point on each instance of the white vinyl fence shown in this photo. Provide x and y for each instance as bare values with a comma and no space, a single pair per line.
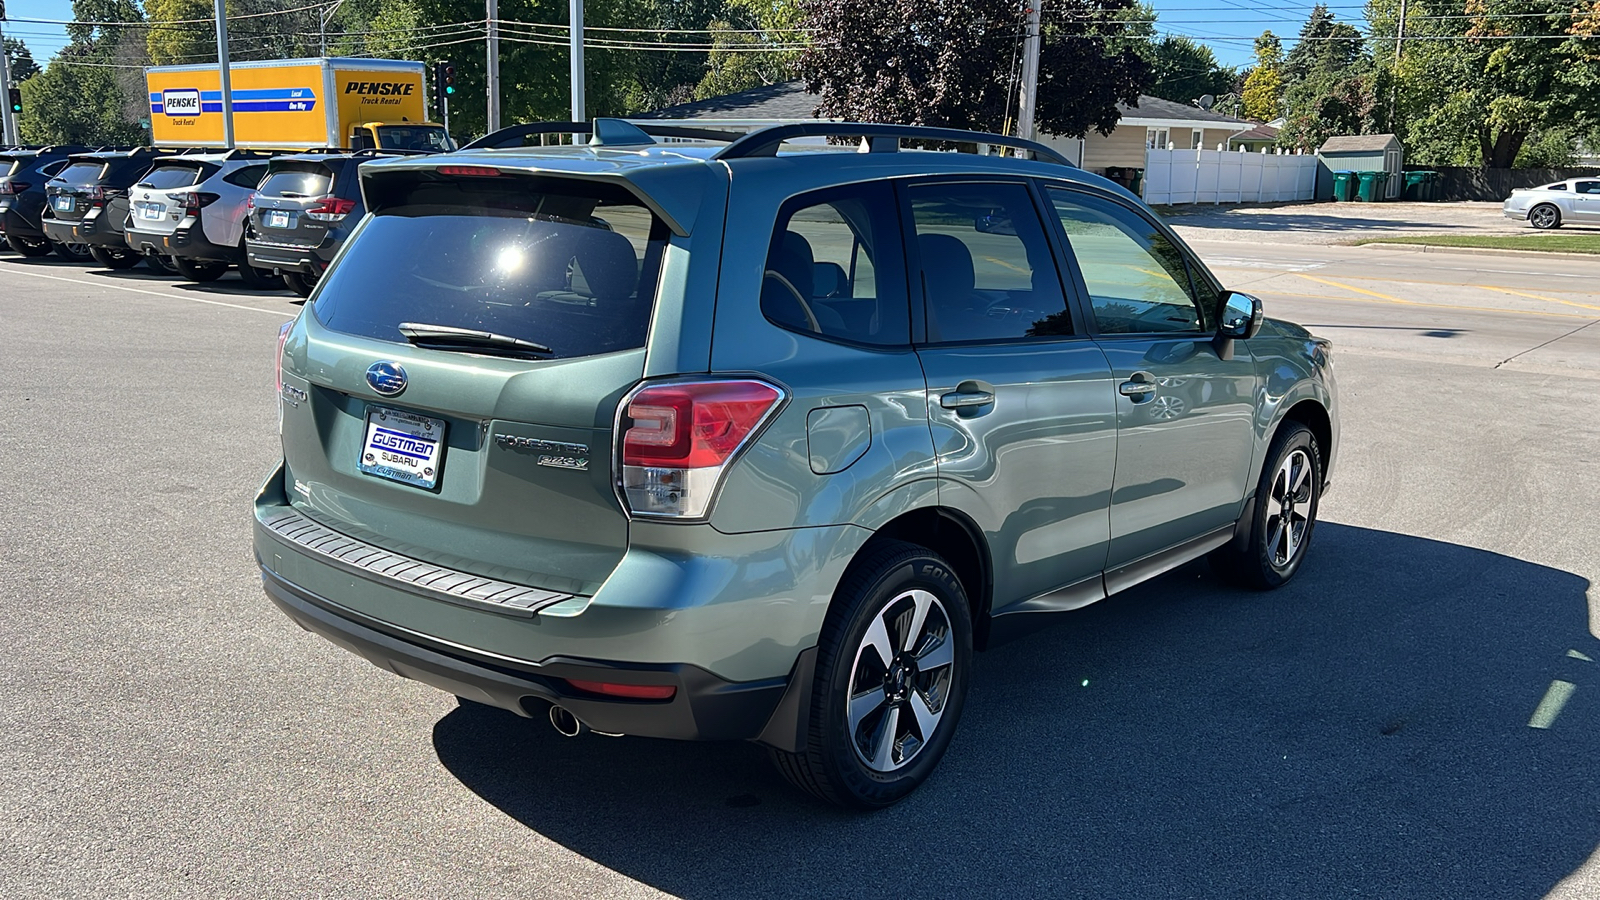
1227,176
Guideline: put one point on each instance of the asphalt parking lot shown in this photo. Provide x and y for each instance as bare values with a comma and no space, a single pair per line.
1363,732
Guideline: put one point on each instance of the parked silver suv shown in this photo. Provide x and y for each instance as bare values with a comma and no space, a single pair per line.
737,441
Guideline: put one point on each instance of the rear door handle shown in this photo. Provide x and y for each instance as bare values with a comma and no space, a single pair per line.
966,399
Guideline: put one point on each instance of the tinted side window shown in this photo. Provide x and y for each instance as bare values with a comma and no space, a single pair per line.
1138,281
987,270
834,267
246,176
1589,187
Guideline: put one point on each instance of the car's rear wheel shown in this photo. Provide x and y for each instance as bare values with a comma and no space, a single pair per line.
261,279
155,262
1284,516
891,678
300,284
199,269
113,258
28,246
74,252
1544,216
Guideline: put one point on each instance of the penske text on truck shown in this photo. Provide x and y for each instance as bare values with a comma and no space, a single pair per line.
295,104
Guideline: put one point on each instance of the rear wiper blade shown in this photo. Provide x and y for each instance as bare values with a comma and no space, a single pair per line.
423,334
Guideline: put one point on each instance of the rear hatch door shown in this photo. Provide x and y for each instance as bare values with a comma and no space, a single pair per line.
493,459
71,193
156,201
291,199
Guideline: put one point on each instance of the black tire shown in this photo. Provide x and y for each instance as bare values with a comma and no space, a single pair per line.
833,765
34,247
1544,216
260,279
114,259
300,284
155,262
1272,555
74,252
199,269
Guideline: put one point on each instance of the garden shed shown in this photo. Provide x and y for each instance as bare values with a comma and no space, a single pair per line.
1359,153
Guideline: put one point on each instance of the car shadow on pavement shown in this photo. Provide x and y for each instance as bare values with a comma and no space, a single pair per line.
1363,731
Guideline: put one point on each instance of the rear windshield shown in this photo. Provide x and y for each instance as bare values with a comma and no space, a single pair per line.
162,177
413,137
568,265
305,180
82,172
9,166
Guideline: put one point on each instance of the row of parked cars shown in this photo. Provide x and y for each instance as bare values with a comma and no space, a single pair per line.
197,214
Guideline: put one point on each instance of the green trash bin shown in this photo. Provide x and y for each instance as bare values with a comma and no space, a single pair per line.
1416,185
1371,188
1433,186
1344,186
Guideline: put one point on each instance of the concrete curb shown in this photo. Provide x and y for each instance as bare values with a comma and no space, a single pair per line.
1477,251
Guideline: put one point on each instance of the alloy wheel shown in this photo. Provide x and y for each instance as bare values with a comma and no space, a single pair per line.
1543,217
900,681
1289,508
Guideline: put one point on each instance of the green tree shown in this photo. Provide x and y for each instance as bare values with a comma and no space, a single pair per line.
22,65
170,44
1263,87
1330,85
954,62
73,104
1182,71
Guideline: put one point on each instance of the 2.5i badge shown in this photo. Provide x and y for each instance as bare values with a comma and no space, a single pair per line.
403,447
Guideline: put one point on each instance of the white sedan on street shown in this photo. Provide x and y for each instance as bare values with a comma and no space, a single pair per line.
1553,205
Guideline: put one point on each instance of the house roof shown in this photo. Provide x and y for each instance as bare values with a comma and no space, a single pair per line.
1157,108
1359,143
786,101
1258,133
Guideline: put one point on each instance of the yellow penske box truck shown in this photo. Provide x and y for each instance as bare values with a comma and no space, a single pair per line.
296,104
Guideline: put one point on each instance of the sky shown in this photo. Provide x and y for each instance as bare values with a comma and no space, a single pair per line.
1228,27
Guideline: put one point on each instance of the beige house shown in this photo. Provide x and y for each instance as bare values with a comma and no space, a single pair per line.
1153,123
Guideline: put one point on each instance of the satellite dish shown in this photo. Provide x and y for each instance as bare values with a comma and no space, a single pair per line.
1206,101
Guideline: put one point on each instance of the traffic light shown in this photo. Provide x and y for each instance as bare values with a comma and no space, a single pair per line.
14,97
445,78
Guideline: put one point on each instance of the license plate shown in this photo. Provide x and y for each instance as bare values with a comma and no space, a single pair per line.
279,219
151,211
403,447
63,204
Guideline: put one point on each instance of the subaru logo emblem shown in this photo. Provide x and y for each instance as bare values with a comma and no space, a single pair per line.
387,378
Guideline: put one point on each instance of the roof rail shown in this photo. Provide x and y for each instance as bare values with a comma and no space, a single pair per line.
880,139
613,133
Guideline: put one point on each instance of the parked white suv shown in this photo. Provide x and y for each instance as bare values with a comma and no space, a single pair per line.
190,211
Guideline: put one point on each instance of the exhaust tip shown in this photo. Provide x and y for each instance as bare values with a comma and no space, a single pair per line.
565,722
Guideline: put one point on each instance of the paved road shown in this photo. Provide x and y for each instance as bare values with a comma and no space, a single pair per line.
1363,732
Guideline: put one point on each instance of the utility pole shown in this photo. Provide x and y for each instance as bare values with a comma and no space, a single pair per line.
1030,73
494,65
1394,80
227,80
575,20
322,25
8,121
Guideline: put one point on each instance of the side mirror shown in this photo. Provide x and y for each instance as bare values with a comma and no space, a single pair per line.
1241,316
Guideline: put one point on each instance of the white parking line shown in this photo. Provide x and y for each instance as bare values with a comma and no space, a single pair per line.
163,294
1555,697
1284,265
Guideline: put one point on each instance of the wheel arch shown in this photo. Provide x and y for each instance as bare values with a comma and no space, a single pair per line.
954,536
1314,416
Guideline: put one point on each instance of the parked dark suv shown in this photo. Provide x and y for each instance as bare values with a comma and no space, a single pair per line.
304,209
88,202
745,441
23,174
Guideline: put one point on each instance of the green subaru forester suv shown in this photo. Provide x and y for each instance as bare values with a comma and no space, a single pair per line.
762,439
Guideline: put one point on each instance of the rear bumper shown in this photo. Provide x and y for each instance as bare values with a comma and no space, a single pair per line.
188,240
1520,215
93,230
705,707
289,258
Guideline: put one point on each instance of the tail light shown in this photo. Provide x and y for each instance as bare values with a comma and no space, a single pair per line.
678,438
331,209
250,202
98,195
14,187
193,201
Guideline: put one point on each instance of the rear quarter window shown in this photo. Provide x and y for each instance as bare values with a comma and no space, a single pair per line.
566,264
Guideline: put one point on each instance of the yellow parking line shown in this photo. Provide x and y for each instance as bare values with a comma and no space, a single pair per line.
1439,283
1385,298
1490,287
1013,267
